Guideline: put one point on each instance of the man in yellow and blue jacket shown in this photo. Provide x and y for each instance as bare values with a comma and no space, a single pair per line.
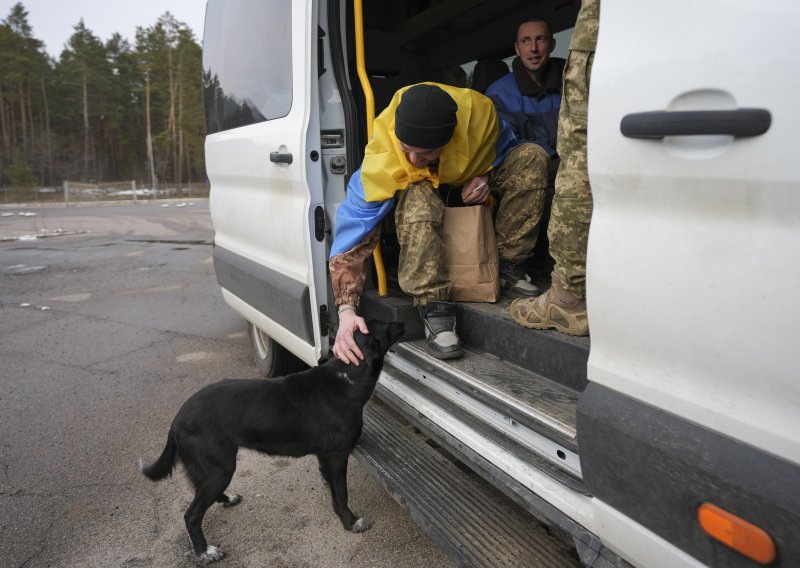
432,134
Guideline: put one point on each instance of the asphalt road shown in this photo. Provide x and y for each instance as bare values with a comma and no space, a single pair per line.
110,316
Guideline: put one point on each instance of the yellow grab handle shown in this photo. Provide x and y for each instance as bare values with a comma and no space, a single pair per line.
370,102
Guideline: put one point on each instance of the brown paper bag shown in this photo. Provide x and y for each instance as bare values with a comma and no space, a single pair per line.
471,250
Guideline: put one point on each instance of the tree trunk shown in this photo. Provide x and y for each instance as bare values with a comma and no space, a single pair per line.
85,127
47,134
4,126
172,132
188,165
30,115
179,160
22,116
12,120
153,179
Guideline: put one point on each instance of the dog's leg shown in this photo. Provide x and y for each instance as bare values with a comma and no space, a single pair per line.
323,470
336,466
194,525
210,482
229,499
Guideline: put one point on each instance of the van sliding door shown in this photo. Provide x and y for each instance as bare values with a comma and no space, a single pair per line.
692,275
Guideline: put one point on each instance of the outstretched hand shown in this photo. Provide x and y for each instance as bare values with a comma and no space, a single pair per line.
345,347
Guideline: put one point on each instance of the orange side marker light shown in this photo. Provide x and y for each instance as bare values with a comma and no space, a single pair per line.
745,538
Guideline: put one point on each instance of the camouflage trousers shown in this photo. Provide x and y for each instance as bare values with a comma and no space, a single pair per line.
568,230
521,180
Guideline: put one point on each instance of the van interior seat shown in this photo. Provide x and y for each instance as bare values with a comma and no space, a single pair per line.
389,66
382,58
486,72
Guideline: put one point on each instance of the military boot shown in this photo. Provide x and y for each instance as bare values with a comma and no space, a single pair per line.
556,309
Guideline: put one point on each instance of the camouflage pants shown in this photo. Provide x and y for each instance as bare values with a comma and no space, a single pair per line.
521,180
568,231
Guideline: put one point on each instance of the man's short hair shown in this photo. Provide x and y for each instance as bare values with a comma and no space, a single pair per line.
535,19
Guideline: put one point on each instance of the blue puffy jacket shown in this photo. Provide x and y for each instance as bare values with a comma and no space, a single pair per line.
530,110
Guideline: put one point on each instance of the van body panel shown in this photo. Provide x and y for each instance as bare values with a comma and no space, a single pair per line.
672,466
694,247
264,210
635,543
268,291
287,338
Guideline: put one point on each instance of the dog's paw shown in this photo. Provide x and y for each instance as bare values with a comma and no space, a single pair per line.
233,500
362,524
212,554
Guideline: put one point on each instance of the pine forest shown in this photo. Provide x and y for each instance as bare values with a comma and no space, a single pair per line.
103,111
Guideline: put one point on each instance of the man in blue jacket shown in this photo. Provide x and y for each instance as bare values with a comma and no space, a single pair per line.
529,97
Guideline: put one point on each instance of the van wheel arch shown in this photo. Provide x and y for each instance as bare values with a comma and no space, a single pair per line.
270,357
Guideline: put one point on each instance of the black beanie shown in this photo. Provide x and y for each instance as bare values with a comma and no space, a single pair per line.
425,117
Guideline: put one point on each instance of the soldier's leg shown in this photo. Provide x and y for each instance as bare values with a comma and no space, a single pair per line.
522,180
568,231
422,271
563,307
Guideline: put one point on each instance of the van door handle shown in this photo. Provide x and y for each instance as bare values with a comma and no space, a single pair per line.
280,157
657,124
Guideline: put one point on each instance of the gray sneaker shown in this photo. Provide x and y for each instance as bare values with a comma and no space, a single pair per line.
439,319
513,283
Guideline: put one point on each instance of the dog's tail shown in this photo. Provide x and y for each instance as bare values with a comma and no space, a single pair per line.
165,463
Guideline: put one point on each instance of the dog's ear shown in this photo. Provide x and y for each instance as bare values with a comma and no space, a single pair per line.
382,335
363,340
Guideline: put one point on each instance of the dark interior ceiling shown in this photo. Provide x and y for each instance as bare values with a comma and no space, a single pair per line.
456,31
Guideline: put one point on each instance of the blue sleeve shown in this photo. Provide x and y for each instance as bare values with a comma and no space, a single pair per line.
356,216
531,119
504,94
506,141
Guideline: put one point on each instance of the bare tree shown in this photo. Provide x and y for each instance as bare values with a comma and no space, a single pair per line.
150,161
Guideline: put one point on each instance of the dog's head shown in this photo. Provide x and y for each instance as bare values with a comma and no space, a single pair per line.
382,335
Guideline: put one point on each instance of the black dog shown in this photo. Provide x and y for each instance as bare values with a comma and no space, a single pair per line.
317,411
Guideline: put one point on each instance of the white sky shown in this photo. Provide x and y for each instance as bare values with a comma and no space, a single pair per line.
53,21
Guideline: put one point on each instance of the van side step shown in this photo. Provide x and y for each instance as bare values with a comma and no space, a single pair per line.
520,395
473,523
490,328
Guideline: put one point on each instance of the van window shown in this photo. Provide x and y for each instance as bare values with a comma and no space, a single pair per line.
247,62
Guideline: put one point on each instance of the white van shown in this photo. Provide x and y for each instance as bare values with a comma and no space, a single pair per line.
671,437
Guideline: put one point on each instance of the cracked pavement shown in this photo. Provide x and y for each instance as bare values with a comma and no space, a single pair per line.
104,331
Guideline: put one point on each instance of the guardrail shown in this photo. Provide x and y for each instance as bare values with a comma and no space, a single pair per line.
73,193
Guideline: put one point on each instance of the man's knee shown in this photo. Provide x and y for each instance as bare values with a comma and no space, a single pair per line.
526,167
419,204
532,155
